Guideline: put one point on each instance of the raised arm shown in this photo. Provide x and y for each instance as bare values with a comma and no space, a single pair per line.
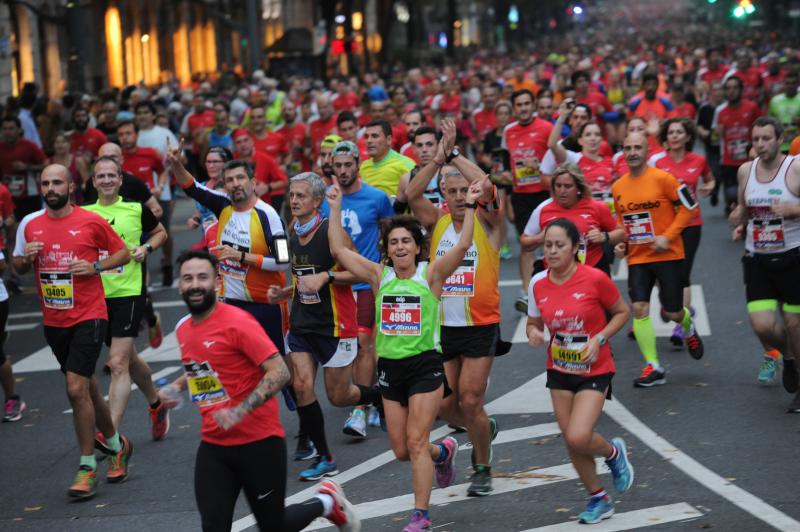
361,267
564,110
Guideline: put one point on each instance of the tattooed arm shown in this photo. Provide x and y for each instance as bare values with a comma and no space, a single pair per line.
276,375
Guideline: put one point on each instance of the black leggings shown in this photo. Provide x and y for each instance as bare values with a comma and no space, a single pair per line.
691,241
258,468
3,319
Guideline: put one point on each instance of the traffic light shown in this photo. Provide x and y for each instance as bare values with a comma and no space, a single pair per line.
744,8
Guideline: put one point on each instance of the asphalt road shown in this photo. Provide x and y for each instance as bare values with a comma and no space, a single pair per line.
711,449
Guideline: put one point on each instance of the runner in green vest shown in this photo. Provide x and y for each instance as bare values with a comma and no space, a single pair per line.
410,368
124,288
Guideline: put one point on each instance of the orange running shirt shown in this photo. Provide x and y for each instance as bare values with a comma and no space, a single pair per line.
650,206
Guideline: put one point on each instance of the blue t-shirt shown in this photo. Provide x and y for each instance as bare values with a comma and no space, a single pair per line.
362,212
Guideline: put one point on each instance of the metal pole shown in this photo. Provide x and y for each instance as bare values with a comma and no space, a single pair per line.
254,44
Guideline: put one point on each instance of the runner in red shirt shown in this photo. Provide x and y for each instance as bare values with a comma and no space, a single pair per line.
677,136
483,118
749,74
233,371
84,140
714,69
526,142
323,126
733,121
413,120
144,163
345,99
595,100
680,107
347,126
573,302
195,124
572,199
267,171
62,242
265,141
20,161
294,135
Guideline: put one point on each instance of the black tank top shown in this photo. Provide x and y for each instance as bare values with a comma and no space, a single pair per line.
311,313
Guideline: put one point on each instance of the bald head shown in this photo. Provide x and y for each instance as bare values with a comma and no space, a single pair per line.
56,170
635,149
56,187
109,149
324,107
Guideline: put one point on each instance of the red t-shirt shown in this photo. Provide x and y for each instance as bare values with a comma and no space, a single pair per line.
68,299
586,214
574,312
736,124
143,162
223,367
273,144
599,174
88,141
295,138
6,209
399,135
751,79
710,76
526,142
197,122
485,121
267,170
24,151
345,102
684,110
689,172
318,130
450,105
599,104
408,151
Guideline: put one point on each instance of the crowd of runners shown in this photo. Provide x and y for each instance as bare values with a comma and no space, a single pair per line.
358,227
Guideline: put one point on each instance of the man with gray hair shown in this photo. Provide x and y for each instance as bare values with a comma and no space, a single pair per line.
322,327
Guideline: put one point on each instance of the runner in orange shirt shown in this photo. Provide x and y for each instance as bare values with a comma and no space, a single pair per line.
654,209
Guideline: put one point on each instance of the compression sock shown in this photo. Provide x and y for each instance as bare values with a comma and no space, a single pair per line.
443,454
646,338
686,323
114,443
89,461
299,516
313,424
369,395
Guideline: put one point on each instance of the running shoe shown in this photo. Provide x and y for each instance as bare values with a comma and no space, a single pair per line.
418,523
343,514
493,431
505,252
456,428
118,464
791,380
155,334
480,482
305,449
321,468
159,421
14,409
676,338
356,424
650,377
597,509
767,371
445,472
374,417
85,484
621,468
794,406
101,445
695,344
521,304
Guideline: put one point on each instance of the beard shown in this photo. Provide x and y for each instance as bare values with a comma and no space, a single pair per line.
195,308
327,170
346,180
56,201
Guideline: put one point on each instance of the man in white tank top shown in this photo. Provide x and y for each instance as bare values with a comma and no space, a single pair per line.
769,213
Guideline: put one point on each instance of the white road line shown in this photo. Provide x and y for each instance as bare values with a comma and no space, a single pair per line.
22,327
509,282
354,472
24,315
522,433
456,493
40,360
703,475
646,517
156,304
169,370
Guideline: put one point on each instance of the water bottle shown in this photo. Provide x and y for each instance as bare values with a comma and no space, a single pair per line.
172,398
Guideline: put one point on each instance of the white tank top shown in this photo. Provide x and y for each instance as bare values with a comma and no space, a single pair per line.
767,233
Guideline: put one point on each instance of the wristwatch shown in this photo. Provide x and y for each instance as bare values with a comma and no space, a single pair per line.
455,152
97,268
471,205
331,277
148,247
601,339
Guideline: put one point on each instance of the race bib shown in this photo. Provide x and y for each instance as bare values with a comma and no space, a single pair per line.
605,197
113,271
57,290
462,281
737,149
233,269
401,315
582,250
525,175
306,299
205,388
768,233
639,226
567,350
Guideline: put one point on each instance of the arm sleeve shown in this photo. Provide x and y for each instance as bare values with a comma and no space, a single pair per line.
213,200
548,165
149,221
